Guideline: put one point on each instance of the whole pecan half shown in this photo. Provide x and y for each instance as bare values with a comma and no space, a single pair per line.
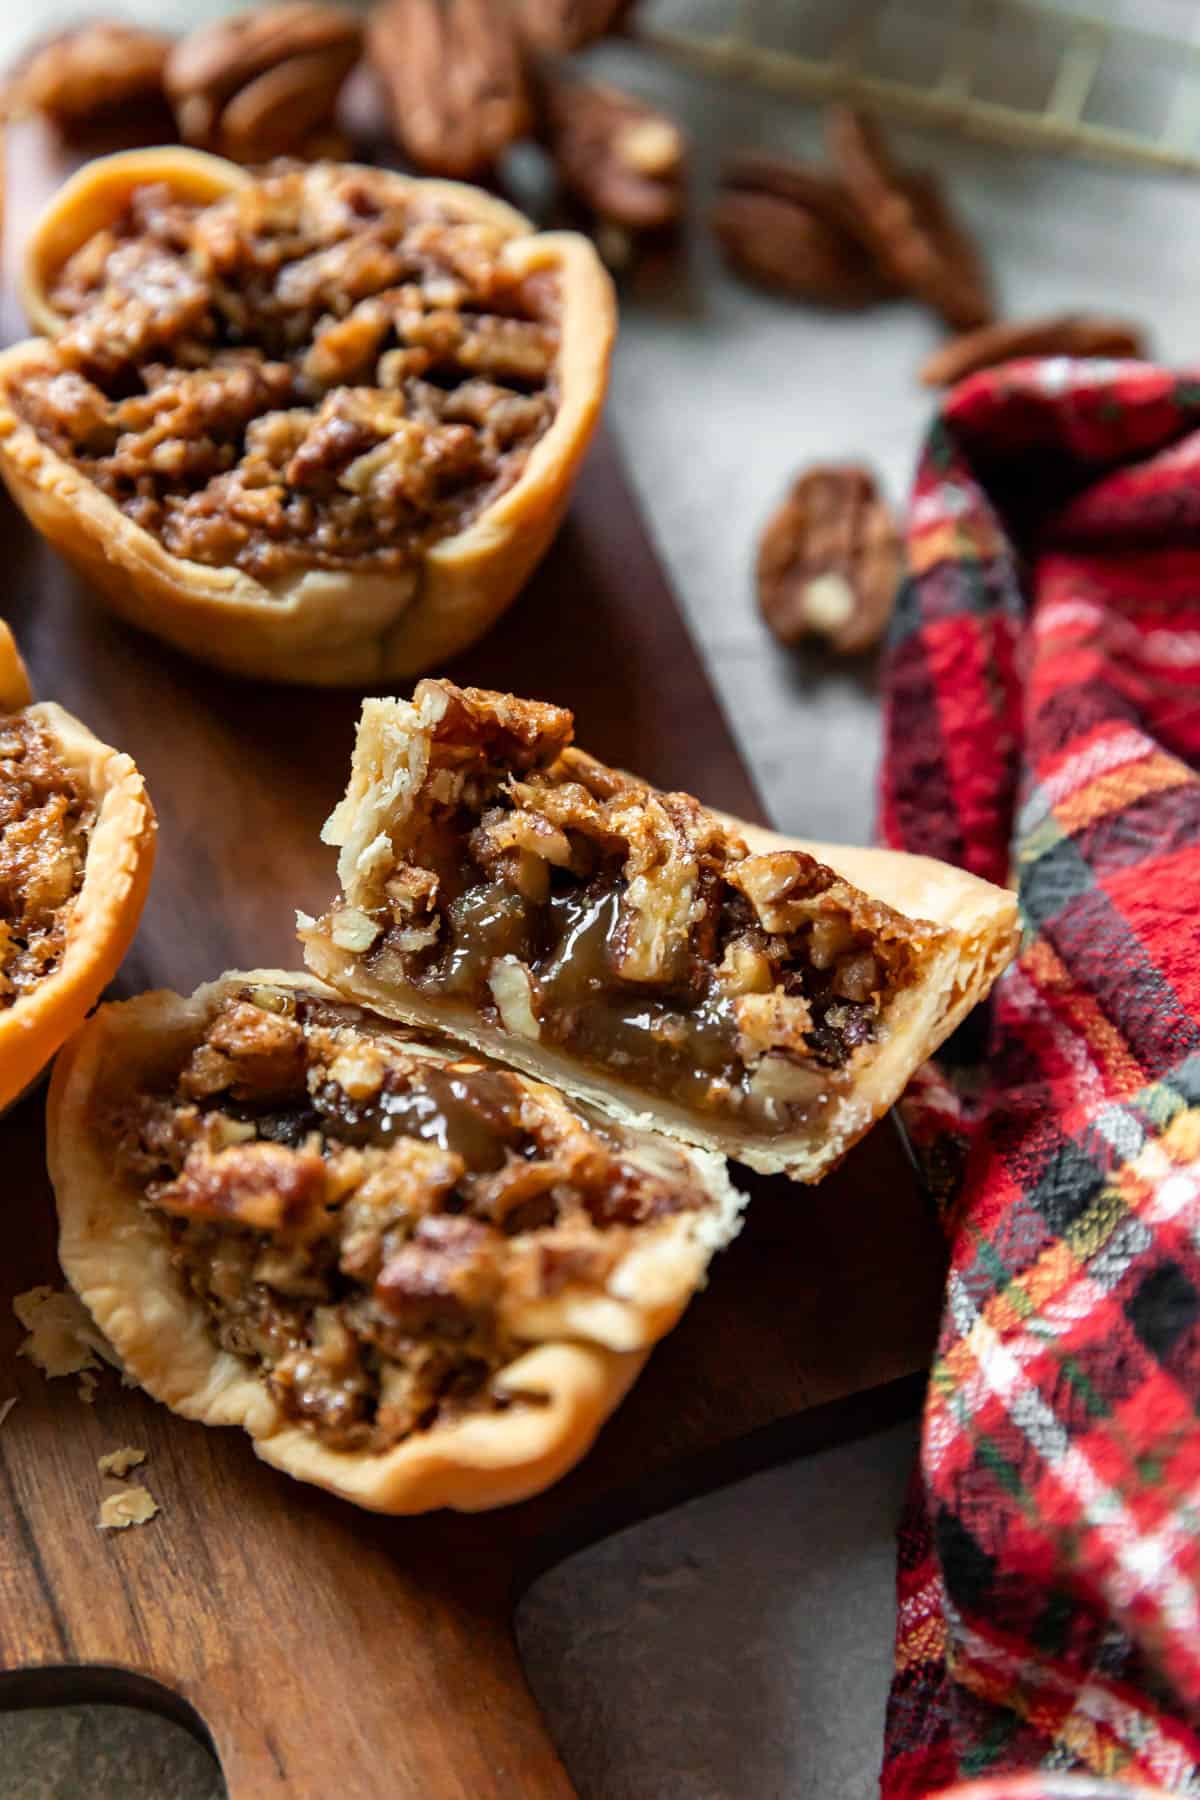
264,83
909,223
1068,334
95,75
557,26
795,229
829,561
455,80
624,161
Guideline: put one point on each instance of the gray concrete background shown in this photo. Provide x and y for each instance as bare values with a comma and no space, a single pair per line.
740,1646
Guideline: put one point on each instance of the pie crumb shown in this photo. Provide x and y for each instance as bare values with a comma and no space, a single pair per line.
62,1338
88,1383
132,1506
6,1407
119,1462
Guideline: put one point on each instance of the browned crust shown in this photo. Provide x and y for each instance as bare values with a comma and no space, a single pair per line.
116,877
117,1260
321,627
15,691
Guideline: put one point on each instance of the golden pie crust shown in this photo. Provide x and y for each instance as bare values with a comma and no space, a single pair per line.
108,904
318,626
961,930
584,1347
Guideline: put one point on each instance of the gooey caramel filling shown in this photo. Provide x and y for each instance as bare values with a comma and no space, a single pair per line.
576,907
317,371
682,1038
365,1222
45,818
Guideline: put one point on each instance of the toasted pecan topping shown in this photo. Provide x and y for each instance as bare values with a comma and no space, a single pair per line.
365,1222
324,369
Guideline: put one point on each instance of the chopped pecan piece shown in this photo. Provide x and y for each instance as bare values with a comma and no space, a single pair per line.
399,1186
447,1269
265,83
829,561
250,1053
909,223
624,161
769,1022
264,1185
796,230
97,75
1067,334
455,81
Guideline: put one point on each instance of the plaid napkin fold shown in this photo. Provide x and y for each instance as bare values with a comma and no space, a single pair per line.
1043,722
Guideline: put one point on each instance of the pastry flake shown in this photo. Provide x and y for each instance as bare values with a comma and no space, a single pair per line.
131,1506
633,946
76,850
415,1278
118,1463
317,424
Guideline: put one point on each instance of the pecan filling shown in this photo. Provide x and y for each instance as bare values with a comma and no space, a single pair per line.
365,1221
310,373
632,929
45,818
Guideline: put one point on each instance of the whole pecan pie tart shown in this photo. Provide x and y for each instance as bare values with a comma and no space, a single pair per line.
414,1277
761,998
311,423
76,850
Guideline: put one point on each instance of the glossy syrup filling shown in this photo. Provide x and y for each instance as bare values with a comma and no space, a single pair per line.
45,820
314,372
739,1022
365,1222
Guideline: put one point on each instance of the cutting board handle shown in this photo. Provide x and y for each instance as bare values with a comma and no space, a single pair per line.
325,1655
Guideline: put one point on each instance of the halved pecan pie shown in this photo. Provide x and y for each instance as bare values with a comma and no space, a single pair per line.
632,945
76,849
414,1277
316,423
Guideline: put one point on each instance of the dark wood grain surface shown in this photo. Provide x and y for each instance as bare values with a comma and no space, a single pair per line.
327,1651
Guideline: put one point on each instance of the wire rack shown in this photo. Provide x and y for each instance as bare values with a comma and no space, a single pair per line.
1017,72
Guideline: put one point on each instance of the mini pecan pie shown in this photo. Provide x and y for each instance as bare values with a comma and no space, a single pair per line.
414,1277
316,423
76,849
634,947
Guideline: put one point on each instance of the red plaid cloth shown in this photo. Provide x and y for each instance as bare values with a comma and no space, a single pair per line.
1043,716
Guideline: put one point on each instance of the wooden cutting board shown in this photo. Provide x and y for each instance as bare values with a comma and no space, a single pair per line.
322,1650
